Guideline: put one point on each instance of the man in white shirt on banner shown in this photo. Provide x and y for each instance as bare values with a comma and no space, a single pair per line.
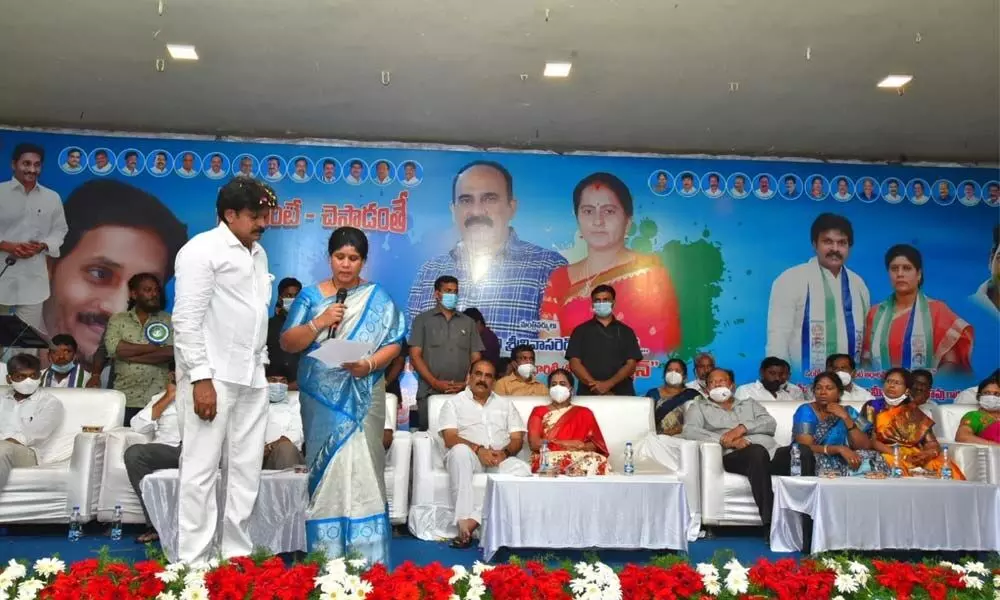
919,197
273,169
893,197
187,168
215,170
29,415
844,366
772,385
355,172
102,163
284,436
158,418
159,164
32,227
222,292
410,173
483,432
301,172
818,308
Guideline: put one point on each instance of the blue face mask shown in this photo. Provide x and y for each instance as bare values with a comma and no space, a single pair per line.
449,300
602,309
62,369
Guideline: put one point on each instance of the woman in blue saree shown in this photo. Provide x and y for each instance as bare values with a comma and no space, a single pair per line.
343,408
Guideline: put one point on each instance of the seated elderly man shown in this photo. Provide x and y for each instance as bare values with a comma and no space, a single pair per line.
482,432
522,381
745,430
29,415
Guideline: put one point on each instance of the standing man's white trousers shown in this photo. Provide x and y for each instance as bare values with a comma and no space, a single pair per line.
236,435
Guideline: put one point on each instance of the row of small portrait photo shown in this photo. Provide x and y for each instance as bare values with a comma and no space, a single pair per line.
817,187
272,168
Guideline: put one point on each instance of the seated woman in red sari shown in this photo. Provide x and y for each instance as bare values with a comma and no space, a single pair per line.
910,330
983,426
645,299
896,419
576,446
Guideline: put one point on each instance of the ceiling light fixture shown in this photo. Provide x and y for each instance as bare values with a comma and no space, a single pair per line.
182,52
895,81
557,69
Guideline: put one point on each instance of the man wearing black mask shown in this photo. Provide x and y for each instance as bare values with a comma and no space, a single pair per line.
772,385
288,289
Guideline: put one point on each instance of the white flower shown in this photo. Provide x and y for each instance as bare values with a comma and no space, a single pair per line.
707,570
970,581
977,568
213,563
49,566
952,566
712,585
477,588
5,582
837,598
479,568
194,579
363,588
15,570
166,596
336,567
175,567
846,583
736,580
168,577
29,589
831,564
358,563
328,583
458,574
857,568
194,592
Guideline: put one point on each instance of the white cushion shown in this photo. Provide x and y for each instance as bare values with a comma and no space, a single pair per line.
104,408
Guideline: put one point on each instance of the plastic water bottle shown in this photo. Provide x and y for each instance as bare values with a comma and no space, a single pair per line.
946,468
75,525
544,457
897,469
795,470
629,459
116,524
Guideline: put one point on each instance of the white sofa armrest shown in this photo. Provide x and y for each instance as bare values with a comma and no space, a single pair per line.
423,468
86,465
972,459
713,492
115,486
399,456
690,474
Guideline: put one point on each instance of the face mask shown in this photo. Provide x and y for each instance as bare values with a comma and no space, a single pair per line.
989,402
720,394
62,369
286,303
277,392
894,401
449,300
771,386
845,378
26,387
673,378
526,371
602,309
559,393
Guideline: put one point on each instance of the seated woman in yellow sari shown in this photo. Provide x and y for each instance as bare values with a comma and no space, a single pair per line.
896,419
576,446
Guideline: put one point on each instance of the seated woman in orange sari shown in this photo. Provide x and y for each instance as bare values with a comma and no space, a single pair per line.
896,419
910,330
645,299
576,446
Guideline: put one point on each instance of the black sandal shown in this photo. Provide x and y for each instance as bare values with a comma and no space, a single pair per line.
460,544
148,537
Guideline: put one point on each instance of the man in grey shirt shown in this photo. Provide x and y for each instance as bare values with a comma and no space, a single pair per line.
745,430
443,345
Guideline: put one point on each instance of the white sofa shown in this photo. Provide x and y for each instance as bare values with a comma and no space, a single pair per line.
116,489
47,493
947,418
621,418
726,497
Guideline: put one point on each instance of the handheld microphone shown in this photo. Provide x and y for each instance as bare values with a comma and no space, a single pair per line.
341,298
8,263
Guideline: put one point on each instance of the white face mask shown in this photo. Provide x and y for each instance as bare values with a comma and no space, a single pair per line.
286,303
720,394
989,402
894,401
277,392
559,393
526,371
673,378
845,378
26,387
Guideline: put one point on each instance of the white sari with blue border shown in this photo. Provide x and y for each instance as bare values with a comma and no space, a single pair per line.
343,427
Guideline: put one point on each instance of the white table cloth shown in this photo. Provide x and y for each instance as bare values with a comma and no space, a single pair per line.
873,514
612,512
278,520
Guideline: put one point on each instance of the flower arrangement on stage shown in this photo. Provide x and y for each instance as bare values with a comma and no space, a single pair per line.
247,578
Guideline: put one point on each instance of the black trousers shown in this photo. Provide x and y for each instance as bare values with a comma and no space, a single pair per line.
754,463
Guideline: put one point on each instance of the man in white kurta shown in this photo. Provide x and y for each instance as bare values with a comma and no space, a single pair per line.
222,293
483,432
844,366
29,416
818,308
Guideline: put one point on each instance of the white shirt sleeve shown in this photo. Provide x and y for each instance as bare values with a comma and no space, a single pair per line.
780,315
143,421
46,419
194,284
449,416
743,391
514,421
57,229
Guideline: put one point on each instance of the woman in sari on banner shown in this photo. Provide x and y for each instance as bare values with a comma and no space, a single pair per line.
983,426
896,419
910,330
645,298
343,407
576,446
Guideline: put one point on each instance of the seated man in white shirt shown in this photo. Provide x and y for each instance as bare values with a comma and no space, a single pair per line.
844,366
283,440
772,384
28,415
159,418
64,371
482,432
704,363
